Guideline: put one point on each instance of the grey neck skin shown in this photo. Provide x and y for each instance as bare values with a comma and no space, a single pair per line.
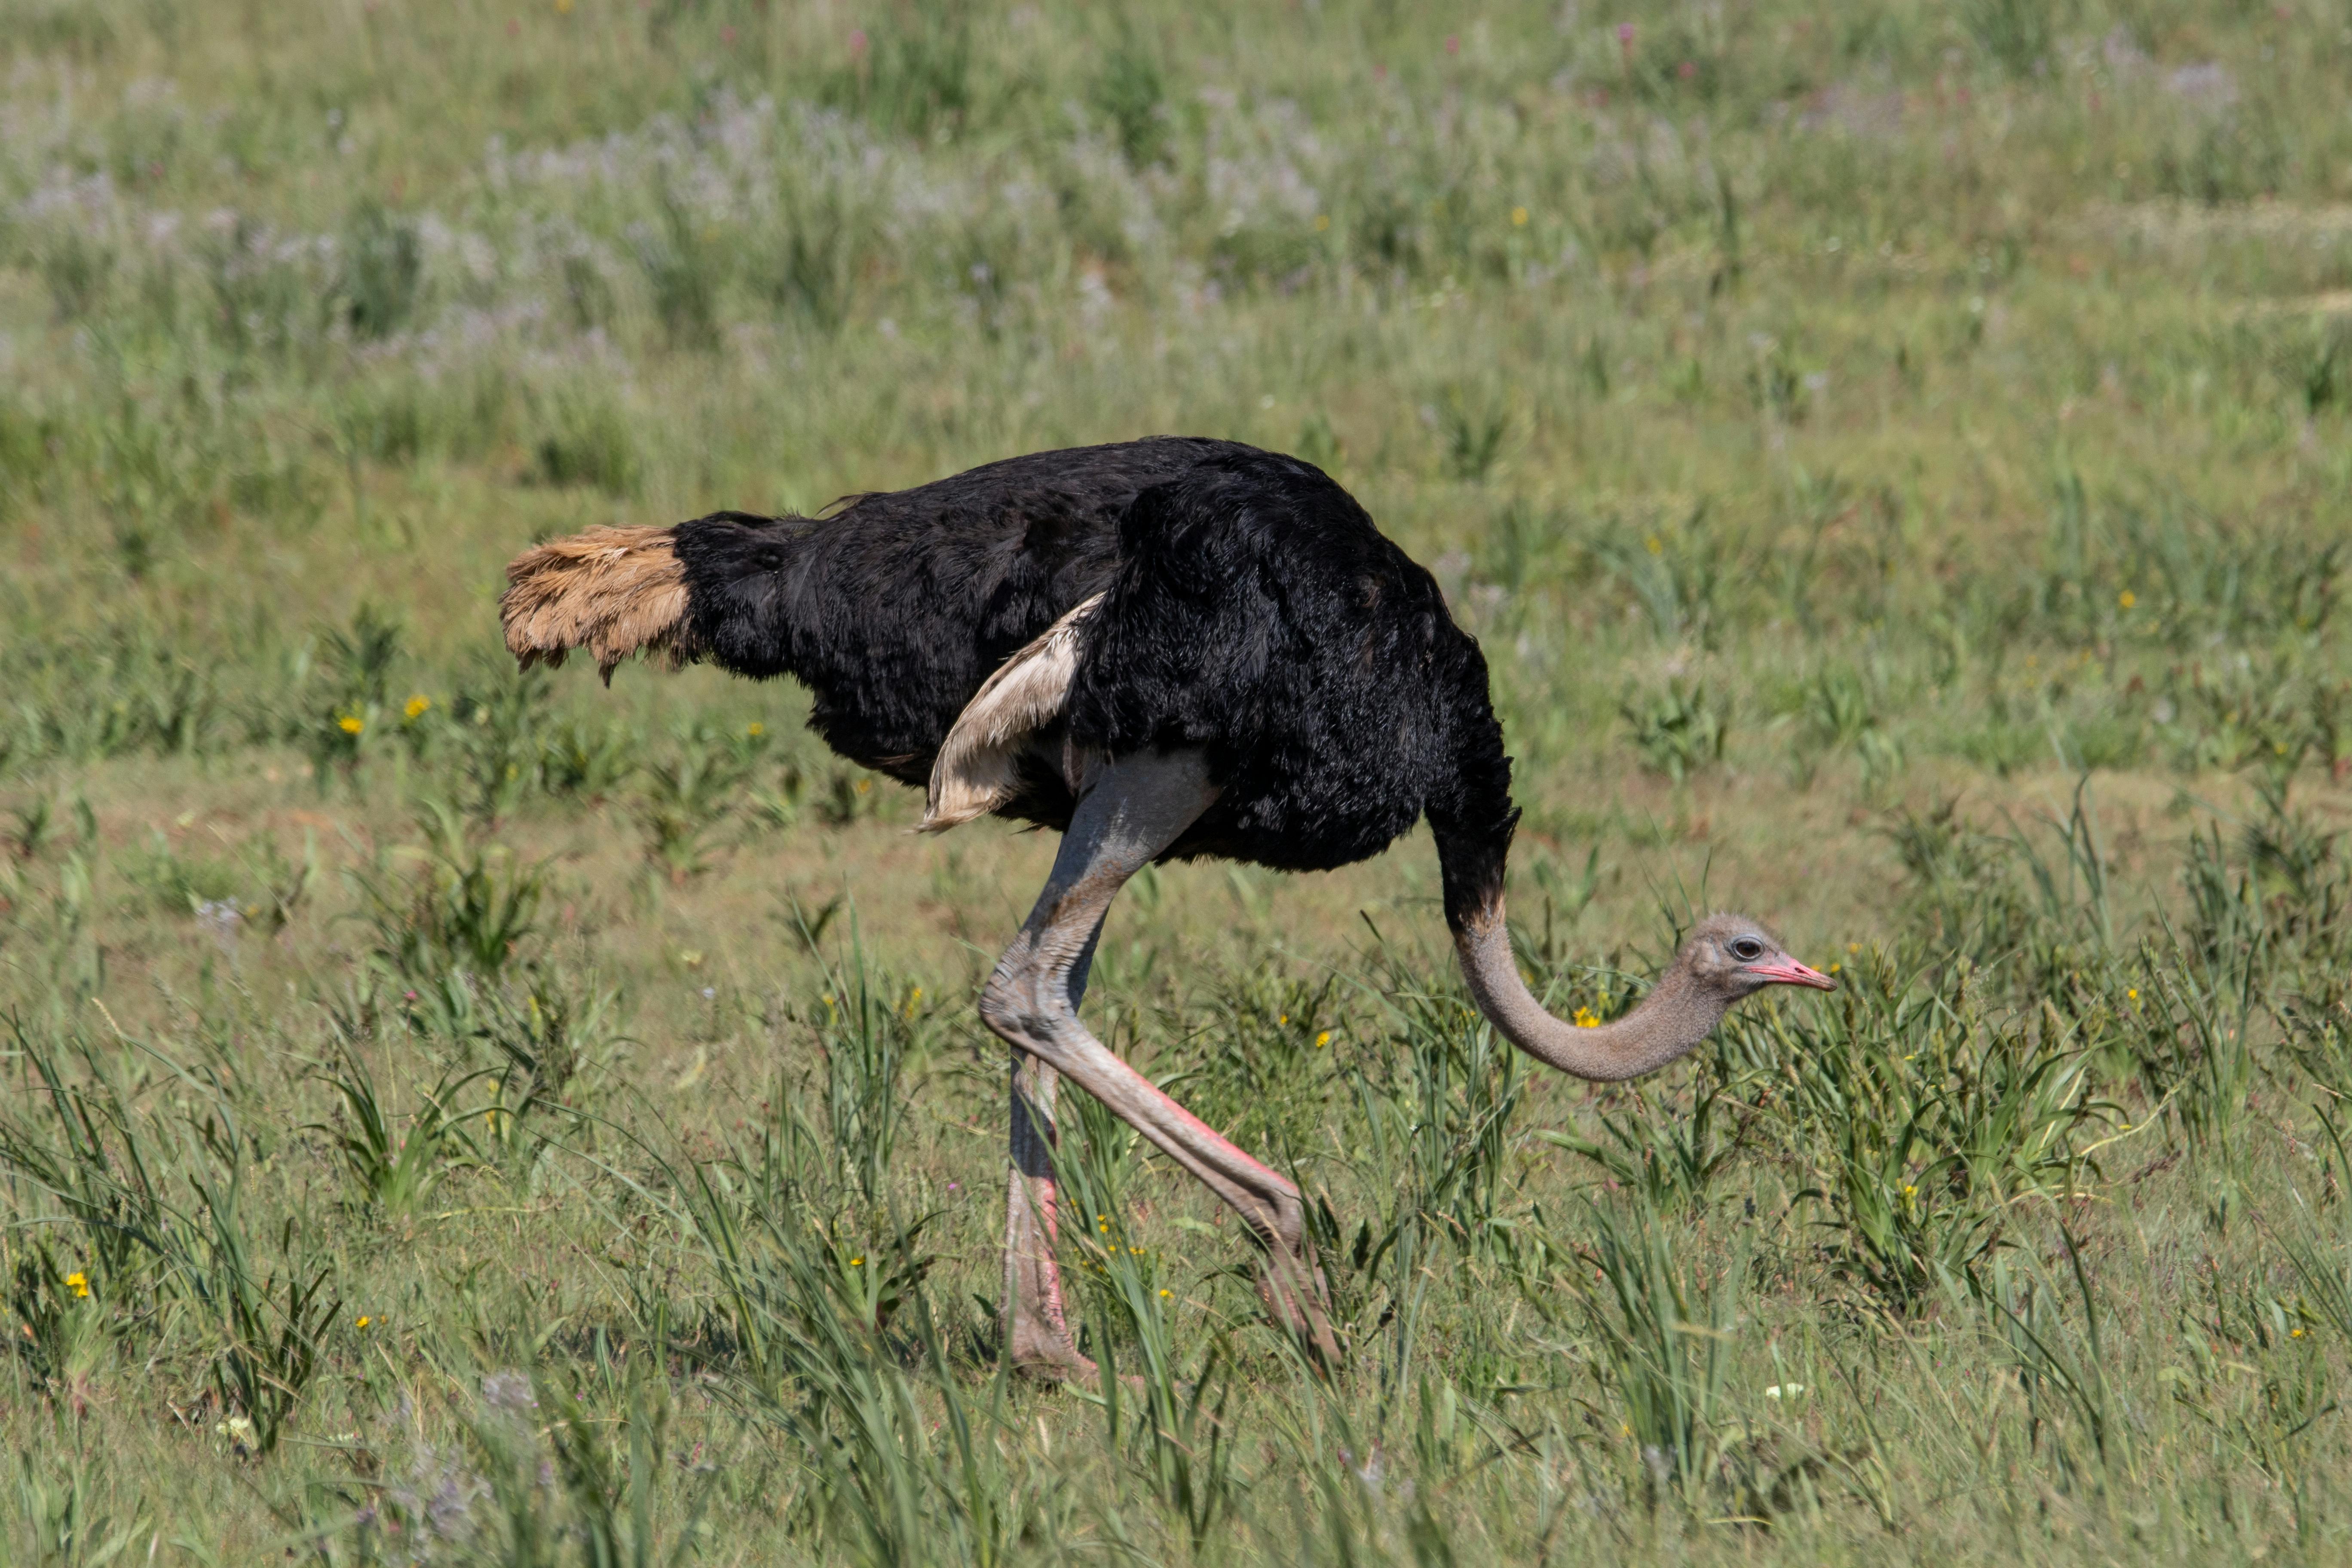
1673,1019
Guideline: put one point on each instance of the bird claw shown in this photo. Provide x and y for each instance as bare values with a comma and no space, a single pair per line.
1062,1365
1305,1313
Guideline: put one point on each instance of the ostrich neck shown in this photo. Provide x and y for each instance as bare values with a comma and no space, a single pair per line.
1675,1017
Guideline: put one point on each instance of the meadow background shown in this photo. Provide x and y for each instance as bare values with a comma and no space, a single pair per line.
1895,456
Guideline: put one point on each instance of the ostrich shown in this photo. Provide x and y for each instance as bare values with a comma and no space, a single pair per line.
1165,649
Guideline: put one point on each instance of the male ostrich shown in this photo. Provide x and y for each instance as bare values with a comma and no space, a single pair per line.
1164,649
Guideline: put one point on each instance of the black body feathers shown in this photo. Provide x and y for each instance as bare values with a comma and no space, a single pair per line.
1251,608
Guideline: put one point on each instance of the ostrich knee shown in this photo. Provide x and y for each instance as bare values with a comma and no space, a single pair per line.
1015,1007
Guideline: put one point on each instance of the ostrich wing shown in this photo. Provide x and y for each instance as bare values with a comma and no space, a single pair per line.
978,766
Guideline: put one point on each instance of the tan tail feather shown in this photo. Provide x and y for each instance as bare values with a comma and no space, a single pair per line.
978,766
613,591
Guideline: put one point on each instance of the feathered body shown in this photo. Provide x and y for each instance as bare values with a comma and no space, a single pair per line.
1247,607
1165,648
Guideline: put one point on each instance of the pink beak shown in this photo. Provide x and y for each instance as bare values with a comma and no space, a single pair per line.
1792,972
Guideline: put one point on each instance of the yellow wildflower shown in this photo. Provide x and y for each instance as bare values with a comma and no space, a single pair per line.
1323,1039
1167,1295
2127,598
755,730
1519,218
1586,1018
351,723
1654,545
365,1321
79,1283
857,1263
418,706
1322,225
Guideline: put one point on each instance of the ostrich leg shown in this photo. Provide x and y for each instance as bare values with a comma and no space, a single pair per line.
1134,808
1038,1332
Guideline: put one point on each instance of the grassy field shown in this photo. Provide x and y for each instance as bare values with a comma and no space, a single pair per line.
1895,456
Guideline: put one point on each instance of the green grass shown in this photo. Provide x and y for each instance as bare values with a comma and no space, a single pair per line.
1895,457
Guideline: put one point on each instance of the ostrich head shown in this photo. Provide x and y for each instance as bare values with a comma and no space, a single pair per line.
1731,957
1724,959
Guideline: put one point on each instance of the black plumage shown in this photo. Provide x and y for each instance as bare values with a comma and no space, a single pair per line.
1219,648
1251,608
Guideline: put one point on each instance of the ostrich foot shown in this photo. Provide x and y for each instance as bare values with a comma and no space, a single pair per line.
1043,1359
1297,1299
1036,1332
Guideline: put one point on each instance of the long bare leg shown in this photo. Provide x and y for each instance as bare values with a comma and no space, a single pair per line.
1134,808
1035,1321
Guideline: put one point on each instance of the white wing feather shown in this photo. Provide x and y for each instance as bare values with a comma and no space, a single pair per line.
978,766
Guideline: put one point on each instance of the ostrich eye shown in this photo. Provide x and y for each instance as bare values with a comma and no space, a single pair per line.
1747,948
